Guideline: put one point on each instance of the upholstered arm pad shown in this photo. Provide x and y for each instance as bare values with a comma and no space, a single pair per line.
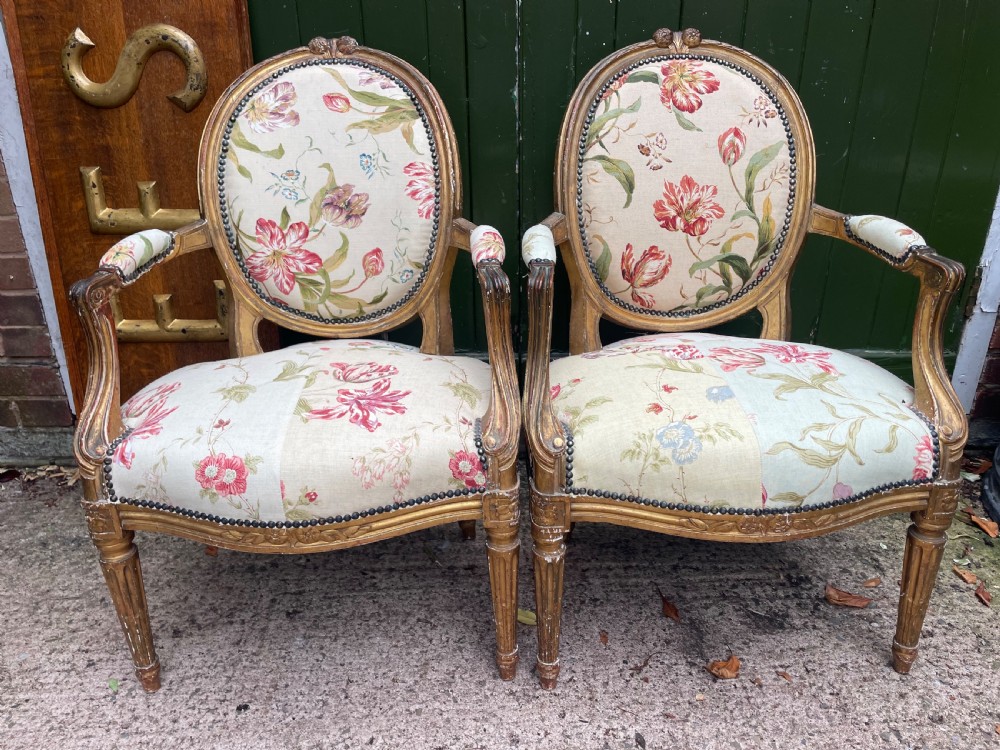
889,238
135,254
486,243
538,244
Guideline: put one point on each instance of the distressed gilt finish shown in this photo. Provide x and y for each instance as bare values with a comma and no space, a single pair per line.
554,509
112,525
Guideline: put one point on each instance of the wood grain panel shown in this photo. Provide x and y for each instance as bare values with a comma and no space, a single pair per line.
147,138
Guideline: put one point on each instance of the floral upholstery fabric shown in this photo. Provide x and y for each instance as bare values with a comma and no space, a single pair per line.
888,236
330,190
687,182
486,244
320,430
131,254
722,422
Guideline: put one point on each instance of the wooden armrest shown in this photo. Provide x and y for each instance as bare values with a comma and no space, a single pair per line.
940,278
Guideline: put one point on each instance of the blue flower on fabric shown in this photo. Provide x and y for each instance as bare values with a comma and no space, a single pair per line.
290,175
674,434
405,275
290,193
719,393
687,452
367,164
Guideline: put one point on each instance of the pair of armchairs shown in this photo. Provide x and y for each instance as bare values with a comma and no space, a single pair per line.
330,190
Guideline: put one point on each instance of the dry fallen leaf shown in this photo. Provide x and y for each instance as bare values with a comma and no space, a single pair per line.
984,596
603,635
872,582
997,728
784,675
990,527
526,617
845,598
725,670
8,475
638,668
976,465
211,550
669,610
966,575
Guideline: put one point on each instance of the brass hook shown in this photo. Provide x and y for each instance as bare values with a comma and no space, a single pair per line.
138,48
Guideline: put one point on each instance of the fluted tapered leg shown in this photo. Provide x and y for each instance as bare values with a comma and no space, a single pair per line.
920,566
548,533
123,574
503,548
925,540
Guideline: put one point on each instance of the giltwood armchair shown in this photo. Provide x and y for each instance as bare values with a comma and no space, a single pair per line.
684,187
330,188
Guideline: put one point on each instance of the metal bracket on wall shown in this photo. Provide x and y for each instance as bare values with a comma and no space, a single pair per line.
167,328
138,48
149,215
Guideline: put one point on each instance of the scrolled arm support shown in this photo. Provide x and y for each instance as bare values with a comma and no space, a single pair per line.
940,278
99,420
545,434
502,421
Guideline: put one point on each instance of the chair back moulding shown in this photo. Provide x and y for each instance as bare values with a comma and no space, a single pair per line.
747,127
407,243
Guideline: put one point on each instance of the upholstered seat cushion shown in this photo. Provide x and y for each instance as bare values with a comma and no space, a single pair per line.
317,431
712,421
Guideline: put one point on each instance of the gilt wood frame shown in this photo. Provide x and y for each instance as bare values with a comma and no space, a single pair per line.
554,508
112,525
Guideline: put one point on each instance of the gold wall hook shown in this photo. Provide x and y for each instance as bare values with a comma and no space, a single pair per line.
167,328
138,48
149,215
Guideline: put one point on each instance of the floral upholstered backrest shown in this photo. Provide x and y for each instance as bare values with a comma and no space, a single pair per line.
323,174
684,172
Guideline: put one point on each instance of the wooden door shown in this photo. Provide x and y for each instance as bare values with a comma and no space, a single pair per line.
146,138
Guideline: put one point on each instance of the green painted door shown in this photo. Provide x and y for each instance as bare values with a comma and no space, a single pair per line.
902,96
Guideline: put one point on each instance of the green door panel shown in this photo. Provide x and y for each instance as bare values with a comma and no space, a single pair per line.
901,95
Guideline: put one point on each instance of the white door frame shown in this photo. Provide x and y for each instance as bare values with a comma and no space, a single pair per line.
979,327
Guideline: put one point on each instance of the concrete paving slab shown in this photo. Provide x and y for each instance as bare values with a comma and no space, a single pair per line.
390,645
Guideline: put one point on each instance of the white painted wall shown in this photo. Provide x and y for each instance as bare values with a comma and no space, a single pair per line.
979,328
14,152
